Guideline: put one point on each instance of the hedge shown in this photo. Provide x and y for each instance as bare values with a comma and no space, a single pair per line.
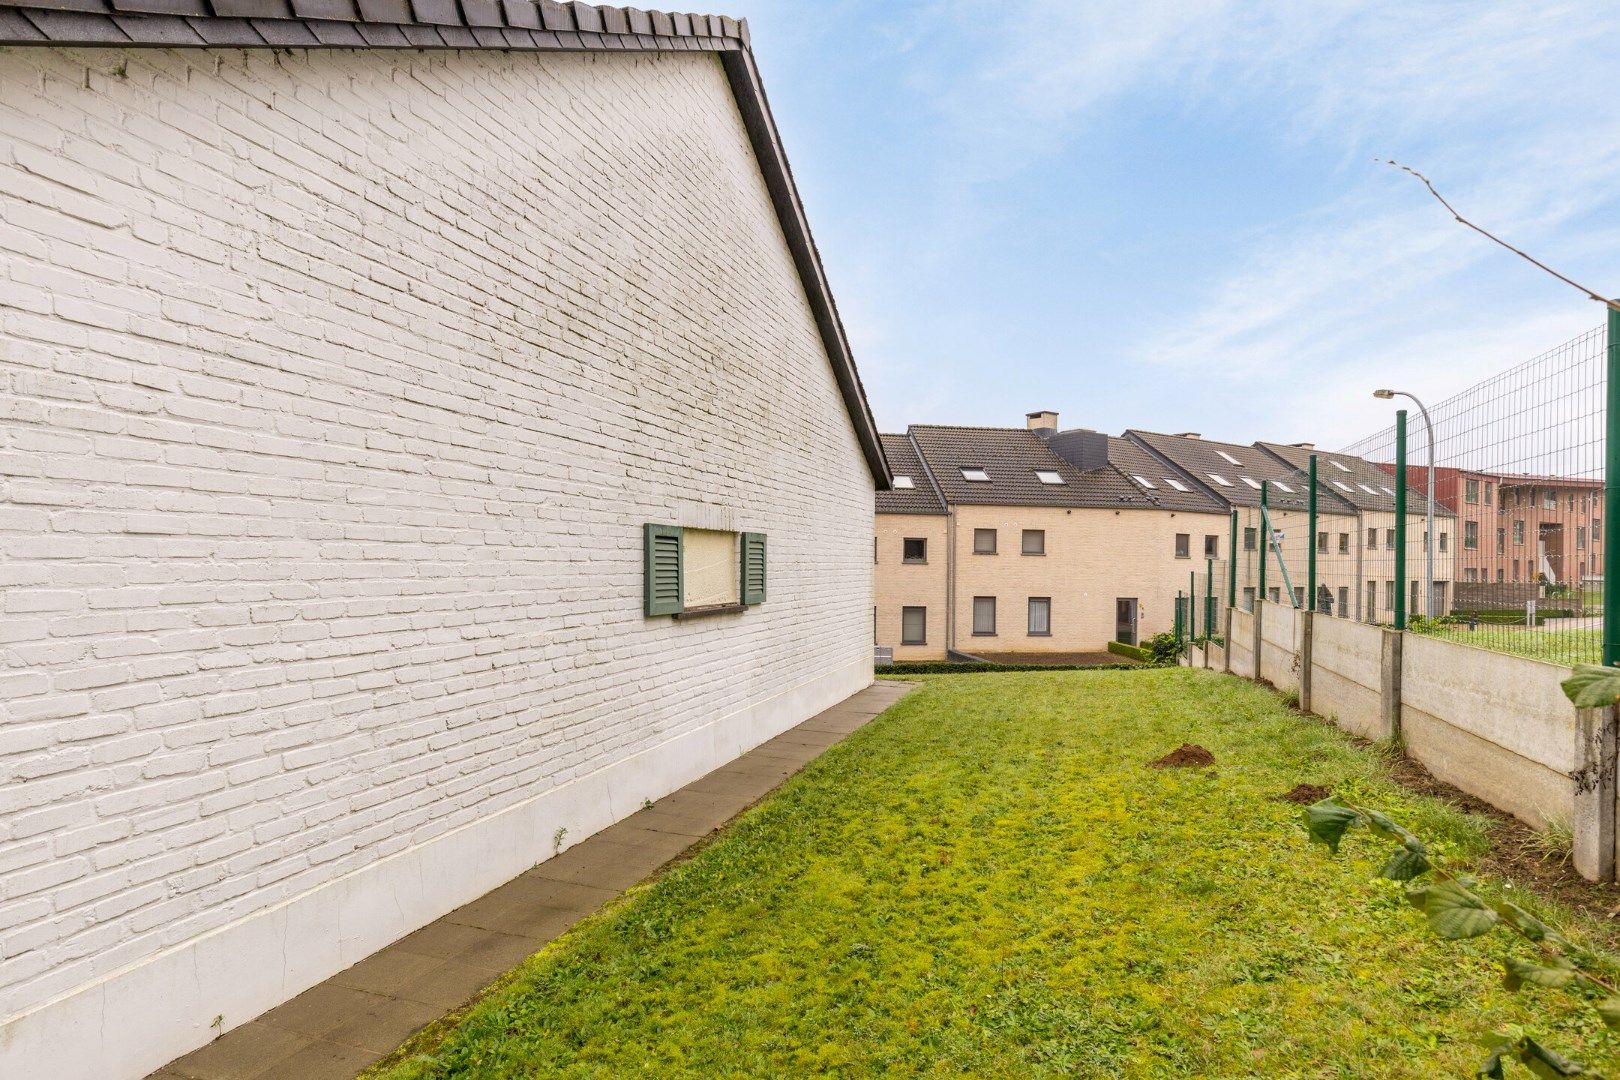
1135,652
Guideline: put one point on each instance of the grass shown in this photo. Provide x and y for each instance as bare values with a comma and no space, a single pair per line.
987,881
1558,646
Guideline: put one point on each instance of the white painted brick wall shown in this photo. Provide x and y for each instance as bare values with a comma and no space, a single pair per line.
334,390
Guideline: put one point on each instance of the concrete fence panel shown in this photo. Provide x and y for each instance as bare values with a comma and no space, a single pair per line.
1345,682
1494,725
1240,644
1279,645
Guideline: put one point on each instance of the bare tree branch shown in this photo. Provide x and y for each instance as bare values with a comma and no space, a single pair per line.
1615,304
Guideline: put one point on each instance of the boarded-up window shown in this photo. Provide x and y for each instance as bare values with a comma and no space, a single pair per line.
711,576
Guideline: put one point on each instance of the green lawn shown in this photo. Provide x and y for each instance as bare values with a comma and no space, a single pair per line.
1556,645
987,881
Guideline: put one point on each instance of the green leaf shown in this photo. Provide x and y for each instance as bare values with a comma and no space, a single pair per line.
1525,923
1544,1062
1328,820
1407,864
1456,913
1609,1009
1518,972
1593,687
1419,897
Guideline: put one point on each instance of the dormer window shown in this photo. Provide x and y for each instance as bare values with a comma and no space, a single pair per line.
901,480
1047,476
976,476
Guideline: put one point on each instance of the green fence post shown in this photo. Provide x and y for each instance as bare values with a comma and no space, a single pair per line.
1209,599
1611,523
1310,560
1192,605
1178,619
1400,520
1231,564
1265,542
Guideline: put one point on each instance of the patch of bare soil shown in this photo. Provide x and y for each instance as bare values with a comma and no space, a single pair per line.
1515,856
1305,794
1185,756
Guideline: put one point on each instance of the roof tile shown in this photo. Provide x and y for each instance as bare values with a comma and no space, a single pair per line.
161,7
14,27
253,9
229,32
586,17
285,32
383,36
337,35
1011,457
613,20
482,13
159,29
920,498
329,10
522,13
77,27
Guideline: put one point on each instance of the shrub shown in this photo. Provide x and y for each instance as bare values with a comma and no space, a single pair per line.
968,667
1164,648
1135,652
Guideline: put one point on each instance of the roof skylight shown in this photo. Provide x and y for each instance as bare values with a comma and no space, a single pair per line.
1177,484
1341,466
1221,480
1144,481
901,480
1251,481
1342,486
978,476
1283,486
1229,457
1047,476
1368,490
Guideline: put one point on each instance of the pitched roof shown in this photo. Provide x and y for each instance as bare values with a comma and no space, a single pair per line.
511,25
1010,457
1143,469
1233,472
921,497
1352,479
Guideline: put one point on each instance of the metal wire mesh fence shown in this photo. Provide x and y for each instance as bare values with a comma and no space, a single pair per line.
1200,601
1507,554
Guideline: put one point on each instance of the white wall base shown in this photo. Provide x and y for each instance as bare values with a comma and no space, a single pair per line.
138,1019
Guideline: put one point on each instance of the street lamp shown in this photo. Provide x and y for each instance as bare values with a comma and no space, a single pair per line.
1428,537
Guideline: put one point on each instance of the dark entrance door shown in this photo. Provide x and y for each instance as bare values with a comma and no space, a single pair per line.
1125,620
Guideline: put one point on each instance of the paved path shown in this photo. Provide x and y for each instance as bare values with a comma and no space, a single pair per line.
335,1029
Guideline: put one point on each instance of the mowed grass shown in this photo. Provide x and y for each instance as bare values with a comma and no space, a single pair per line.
1558,645
988,881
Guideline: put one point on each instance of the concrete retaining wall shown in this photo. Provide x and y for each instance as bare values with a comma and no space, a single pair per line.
1496,726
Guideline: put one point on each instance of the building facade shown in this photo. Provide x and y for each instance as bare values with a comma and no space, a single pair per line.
424,441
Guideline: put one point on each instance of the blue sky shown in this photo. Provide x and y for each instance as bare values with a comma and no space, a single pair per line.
1169,216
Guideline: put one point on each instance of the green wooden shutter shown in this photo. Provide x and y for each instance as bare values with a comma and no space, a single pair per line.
664,547
753,568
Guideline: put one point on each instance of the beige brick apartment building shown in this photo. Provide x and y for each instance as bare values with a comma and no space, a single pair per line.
425,435
1021,541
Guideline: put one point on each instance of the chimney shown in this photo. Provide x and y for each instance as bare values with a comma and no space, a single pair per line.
1042,423
1189,435
1305,446
1084,449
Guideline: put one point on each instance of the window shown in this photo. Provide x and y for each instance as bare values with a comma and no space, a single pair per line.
1183,545
1322,542
1338,465
1177,484
1372,539
1344,601
1275,594
1444,537
1145,482
688,570
1229,457
1221,480
984,541
1518,531
1248,598
1501,541
1470,574
901,480
1515,569
1344,487
1580,539
1251,482
1487,493
914,549
1368,490
1034,542
1549,500
1282,486
1471,490
1212,546
1572,504
1040,616
1499,575
1344,543
1389,539
1372,601
977,476
914,626
1597,530
1389,596
1299,596
984,616
1047,476
1387,490
1470,534
1249,539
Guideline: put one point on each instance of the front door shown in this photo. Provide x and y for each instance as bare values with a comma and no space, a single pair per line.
1125,621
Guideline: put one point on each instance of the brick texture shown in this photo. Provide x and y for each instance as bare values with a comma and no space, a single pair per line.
334,390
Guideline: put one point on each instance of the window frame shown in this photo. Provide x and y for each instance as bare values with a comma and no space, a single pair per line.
1023,542
1030,630
909,560
994,541
919,608
977,602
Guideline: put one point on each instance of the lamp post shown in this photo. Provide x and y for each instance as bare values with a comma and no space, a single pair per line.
1428,536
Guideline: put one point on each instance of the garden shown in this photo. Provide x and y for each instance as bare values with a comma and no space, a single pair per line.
1075,873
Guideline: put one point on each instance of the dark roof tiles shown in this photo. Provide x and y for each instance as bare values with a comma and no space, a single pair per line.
921,497
1012,457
